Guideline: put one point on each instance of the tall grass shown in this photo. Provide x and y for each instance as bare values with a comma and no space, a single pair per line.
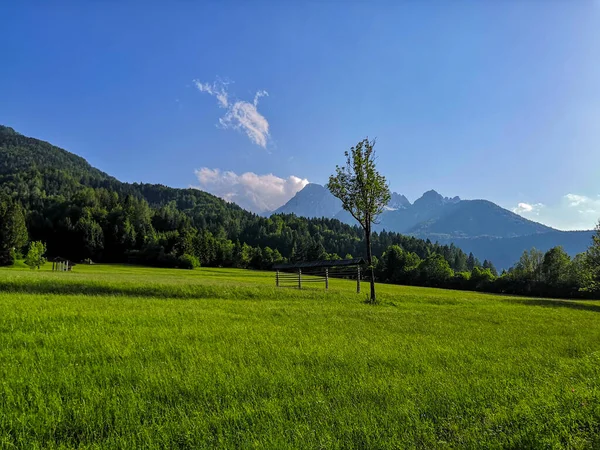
124,357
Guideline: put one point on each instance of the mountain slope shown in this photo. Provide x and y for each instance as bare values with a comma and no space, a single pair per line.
313,200
32,170
23,154
474,218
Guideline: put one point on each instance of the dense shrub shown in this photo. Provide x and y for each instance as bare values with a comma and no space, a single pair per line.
188,262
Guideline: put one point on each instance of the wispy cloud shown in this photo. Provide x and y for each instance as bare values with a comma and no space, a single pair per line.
570,212
576,200
256,193
239,114
218,89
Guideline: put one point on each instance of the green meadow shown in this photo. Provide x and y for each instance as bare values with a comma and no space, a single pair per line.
127,357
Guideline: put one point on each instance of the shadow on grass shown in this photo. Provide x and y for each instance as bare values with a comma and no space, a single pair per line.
558,304
158,290
181,291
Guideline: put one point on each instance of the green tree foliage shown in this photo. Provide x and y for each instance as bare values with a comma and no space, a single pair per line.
435,271
580,274
364,193
398,266
481,279
459,262
90,235
489,265
530,264
593,259
552,274
555,267
471,262
35,255
13,232
186,261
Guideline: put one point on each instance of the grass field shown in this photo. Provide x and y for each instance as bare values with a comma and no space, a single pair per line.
126,357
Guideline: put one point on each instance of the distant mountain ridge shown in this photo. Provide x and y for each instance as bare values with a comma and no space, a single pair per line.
479,226
431,214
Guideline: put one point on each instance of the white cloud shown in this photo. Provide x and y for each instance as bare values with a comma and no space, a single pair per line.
570,212
239,114
256,193
522,208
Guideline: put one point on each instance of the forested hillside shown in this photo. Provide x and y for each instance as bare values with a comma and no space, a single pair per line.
81,212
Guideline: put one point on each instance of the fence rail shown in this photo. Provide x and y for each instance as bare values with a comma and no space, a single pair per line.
296,277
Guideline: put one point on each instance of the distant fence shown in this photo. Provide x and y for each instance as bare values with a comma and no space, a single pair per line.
296,275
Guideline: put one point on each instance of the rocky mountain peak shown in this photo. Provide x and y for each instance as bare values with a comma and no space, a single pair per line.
397,201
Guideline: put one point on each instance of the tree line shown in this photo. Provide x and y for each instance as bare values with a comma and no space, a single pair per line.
550,274
190,227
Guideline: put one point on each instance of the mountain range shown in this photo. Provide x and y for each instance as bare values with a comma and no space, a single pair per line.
478,226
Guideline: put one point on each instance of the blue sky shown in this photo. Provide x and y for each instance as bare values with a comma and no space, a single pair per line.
496,100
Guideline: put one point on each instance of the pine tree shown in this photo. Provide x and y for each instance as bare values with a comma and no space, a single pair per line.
13,232
471,261
488,265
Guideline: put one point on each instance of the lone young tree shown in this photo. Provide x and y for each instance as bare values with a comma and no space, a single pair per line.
363,191
35,255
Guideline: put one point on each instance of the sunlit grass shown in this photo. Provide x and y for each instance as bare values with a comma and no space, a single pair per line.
128,357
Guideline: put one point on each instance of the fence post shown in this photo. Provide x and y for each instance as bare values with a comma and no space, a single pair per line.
326,278
358,281
277,278
299,278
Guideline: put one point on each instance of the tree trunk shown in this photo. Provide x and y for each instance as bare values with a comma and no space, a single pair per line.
370,262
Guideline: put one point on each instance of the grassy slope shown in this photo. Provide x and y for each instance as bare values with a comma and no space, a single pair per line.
152,358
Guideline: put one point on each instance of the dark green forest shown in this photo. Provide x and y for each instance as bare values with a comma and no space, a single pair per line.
50,195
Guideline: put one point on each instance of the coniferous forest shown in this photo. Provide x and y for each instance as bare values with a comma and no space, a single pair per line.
52,196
